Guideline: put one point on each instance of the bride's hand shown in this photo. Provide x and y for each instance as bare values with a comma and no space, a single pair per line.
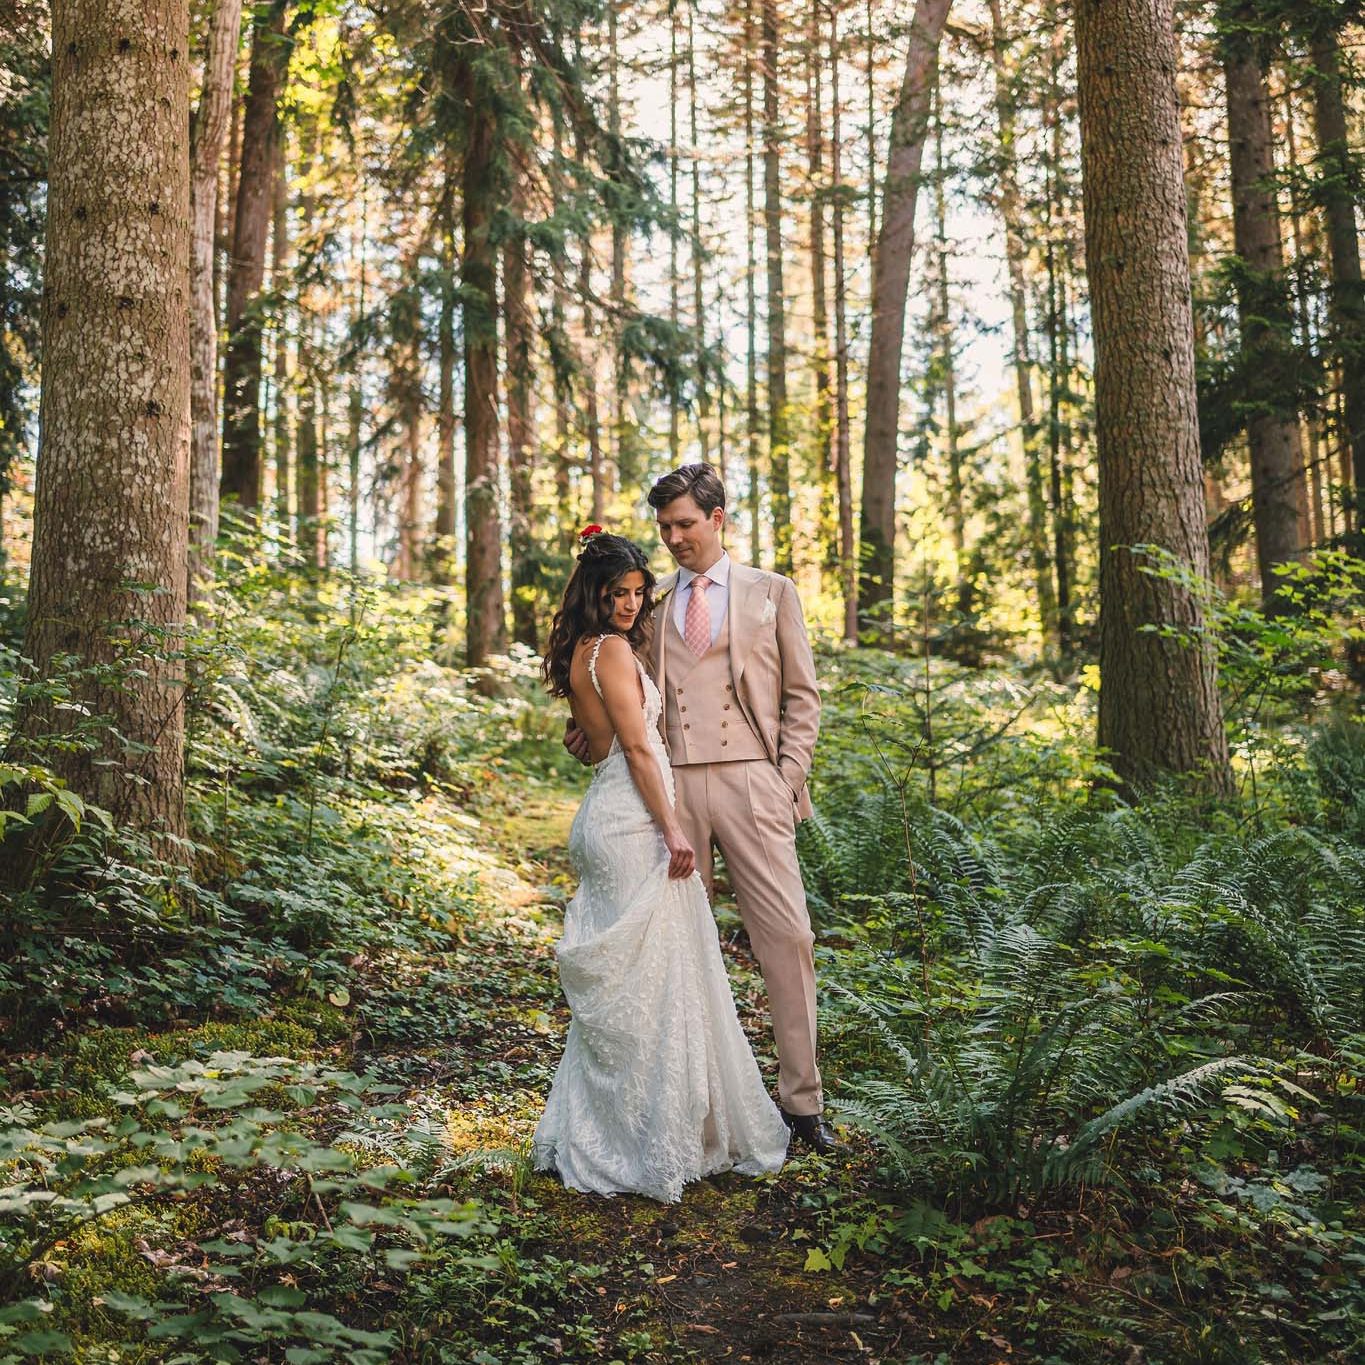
682,860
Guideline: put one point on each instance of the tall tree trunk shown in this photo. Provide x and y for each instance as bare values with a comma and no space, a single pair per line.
320,548
486,630
947,365
1343,240
1011,213
560,368
843,447
226,213
279,279
587,367
308,476
822,460
871,41
405,389
1159,707
444,558
242,464
1263,305
410,556
520,433
206,155
674,306
1059,362
751,292
355,399
1312,531
890,283
112,494
624,462
779,417
698,254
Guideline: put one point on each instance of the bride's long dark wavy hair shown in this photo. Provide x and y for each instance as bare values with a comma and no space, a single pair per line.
586,608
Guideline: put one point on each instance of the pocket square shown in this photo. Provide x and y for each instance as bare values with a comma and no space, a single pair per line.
769,611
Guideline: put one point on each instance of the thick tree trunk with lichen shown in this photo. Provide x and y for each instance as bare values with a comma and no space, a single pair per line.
1159,706
112,495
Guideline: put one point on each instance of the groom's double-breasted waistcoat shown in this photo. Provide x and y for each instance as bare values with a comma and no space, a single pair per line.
741,723
760,665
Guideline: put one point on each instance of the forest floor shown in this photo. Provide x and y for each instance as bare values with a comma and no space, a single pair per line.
719,1276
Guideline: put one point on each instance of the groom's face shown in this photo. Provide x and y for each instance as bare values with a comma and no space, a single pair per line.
690,535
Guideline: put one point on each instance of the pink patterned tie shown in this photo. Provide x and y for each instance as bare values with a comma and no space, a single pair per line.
697,622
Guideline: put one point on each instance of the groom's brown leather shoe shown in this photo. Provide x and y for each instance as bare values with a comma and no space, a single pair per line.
813,1131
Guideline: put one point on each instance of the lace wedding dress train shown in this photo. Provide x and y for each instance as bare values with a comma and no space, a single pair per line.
658,1085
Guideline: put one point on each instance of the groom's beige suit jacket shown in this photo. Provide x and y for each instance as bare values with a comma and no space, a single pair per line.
771,666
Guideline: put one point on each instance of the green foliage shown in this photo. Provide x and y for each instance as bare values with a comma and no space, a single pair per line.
229,1122
319,725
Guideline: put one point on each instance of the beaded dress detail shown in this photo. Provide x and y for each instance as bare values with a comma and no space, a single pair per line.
658,1085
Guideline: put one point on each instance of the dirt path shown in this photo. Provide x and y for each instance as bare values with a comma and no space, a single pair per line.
720,1276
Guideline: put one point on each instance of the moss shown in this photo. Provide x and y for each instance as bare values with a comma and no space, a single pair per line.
323,1022
100,1056
95,1259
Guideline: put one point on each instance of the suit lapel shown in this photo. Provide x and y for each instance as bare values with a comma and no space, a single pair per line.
746,595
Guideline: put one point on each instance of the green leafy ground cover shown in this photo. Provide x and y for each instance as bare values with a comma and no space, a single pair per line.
1099,1068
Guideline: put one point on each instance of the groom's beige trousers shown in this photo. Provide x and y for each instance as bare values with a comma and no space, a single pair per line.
747,807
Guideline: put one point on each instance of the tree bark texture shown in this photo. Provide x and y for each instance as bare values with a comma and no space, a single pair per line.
1011,214
521,547
444,553
280,270
843,448
485,629
890,282
112,493
1159,707
1336,178
752,446
779,417
1263,307
822,455
206,154
242,462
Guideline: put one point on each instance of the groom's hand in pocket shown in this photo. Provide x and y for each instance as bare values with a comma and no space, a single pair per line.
576,742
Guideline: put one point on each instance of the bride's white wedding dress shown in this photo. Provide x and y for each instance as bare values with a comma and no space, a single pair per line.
658,1085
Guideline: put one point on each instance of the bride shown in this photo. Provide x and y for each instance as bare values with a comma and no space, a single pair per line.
657,1085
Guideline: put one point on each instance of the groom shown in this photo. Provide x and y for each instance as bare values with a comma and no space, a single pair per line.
732,660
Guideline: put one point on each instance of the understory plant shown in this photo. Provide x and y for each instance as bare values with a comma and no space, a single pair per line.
296,1213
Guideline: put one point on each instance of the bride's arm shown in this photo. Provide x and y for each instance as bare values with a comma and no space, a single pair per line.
620,687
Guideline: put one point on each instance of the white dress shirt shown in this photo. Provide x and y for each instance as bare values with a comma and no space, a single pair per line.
717,595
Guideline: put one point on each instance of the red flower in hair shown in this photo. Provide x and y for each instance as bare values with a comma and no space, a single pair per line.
589,531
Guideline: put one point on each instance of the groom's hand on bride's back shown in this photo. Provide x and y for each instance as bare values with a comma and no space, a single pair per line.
576,742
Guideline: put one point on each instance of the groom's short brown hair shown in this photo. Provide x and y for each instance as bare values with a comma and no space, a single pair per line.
700,482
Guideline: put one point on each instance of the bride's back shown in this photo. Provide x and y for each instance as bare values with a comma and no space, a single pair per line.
588,709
